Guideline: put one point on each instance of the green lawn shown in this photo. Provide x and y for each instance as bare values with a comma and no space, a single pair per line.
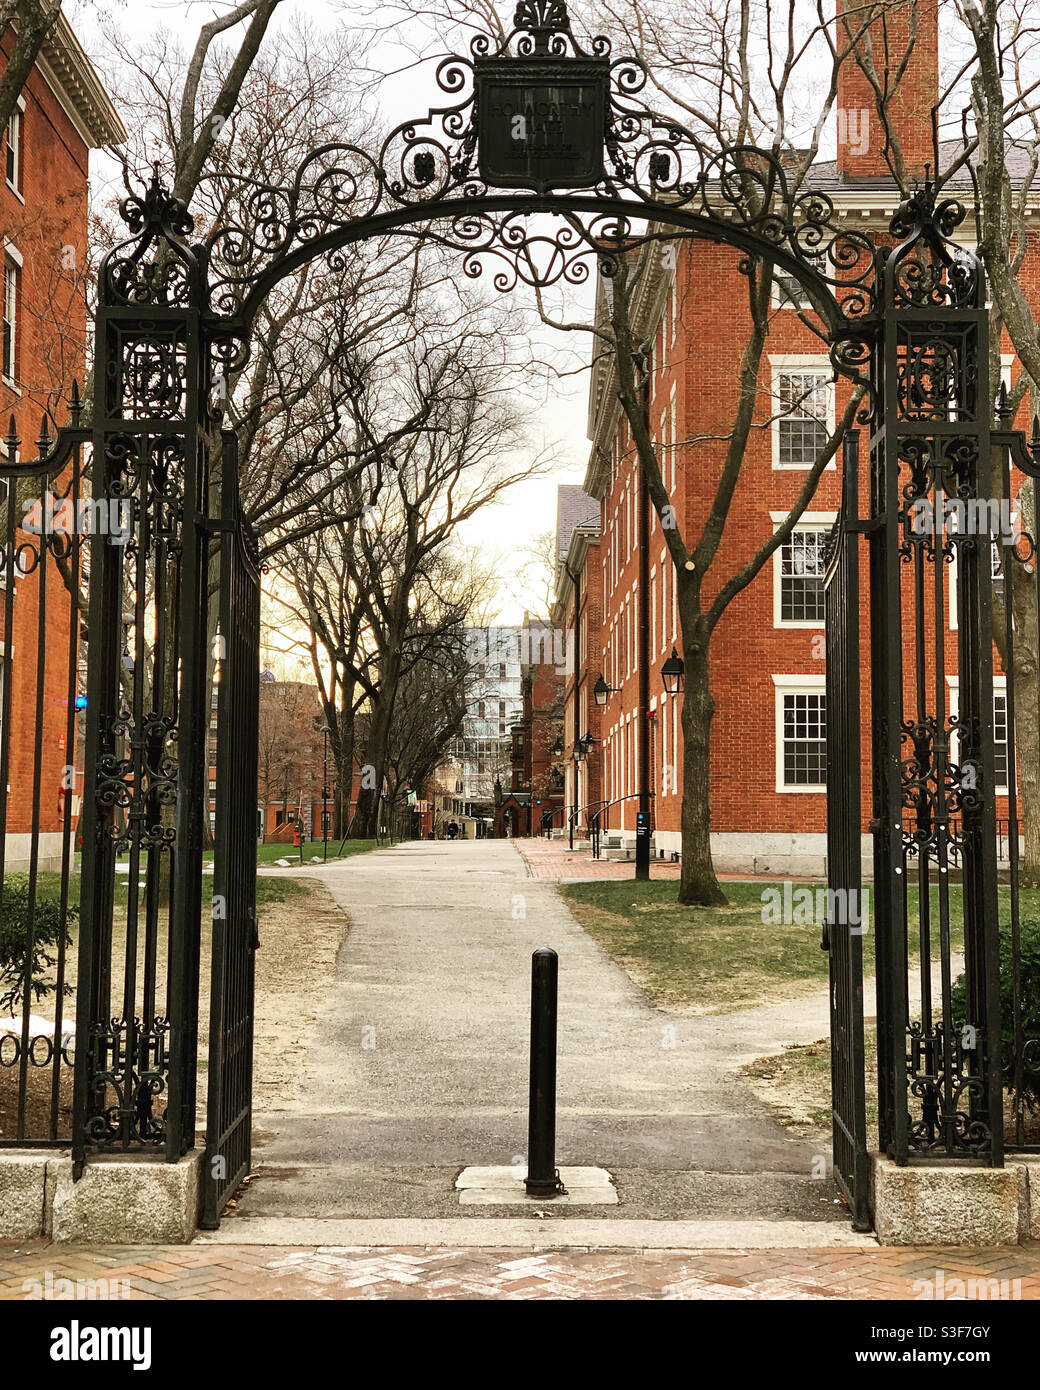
267,854
269,888
718,959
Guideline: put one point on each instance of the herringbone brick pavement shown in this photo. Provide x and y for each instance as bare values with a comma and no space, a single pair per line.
329,1272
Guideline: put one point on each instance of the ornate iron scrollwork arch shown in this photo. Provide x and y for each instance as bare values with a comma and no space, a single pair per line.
471,173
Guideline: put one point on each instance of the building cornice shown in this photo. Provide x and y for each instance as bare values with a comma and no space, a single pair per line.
653,281
65,67
582,538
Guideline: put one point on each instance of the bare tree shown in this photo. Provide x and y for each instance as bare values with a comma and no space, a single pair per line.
1000,145
428,713
29,22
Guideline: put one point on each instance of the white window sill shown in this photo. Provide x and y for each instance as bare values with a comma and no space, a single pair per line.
812,790
783,624
17,192
9,383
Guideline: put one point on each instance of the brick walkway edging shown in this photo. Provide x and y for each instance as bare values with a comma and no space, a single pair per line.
239,1271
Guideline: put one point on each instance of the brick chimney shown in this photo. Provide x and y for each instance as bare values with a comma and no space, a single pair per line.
897,24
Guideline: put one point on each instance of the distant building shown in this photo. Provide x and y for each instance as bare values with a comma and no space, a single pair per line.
534,798
495,703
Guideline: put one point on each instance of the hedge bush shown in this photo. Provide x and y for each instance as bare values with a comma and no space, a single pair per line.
14,933
1029,1003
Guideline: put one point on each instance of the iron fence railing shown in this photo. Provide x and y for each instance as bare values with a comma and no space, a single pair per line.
43,652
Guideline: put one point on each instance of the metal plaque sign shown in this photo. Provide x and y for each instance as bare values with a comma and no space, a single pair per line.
541,122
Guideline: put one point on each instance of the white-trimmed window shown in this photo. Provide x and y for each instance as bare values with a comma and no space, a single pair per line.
9,358
673,438
803,409
788,291
798,570
1000,729
13,148
801,733
1000,738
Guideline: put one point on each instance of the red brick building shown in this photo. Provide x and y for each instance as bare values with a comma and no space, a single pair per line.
535,794
767,656
63,113
578,613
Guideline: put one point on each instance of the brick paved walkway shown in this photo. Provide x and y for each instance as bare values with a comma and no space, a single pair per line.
330,1272
551,859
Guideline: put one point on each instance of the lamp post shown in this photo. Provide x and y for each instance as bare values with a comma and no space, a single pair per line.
643,364
325,731
578,754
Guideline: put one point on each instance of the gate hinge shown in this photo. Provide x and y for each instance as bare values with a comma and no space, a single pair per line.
254,941
215,525
825,937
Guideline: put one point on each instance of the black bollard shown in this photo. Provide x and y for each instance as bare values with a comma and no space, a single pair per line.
543,1179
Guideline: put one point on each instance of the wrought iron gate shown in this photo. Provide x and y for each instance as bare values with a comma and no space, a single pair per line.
957,1026
846,916
174,323
144,770
235,935
933,775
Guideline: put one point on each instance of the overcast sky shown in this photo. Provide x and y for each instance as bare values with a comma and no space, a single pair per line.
503,531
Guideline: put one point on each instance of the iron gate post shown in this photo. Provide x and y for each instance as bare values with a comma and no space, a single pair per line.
931,442
146,729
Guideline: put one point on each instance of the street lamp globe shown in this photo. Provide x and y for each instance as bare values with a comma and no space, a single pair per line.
601,690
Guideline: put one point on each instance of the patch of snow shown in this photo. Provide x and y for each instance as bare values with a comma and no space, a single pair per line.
38,1027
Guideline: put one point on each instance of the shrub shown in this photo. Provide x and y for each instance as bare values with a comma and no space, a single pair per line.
1029,1005
14,935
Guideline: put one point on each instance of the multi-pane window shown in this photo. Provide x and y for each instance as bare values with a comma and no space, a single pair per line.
804,738
801,576
802,426
997,570
789,293
10,317
1000,740
14,150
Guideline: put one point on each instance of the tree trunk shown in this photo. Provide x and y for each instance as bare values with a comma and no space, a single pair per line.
343,757
1021,583
698,884
366,819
